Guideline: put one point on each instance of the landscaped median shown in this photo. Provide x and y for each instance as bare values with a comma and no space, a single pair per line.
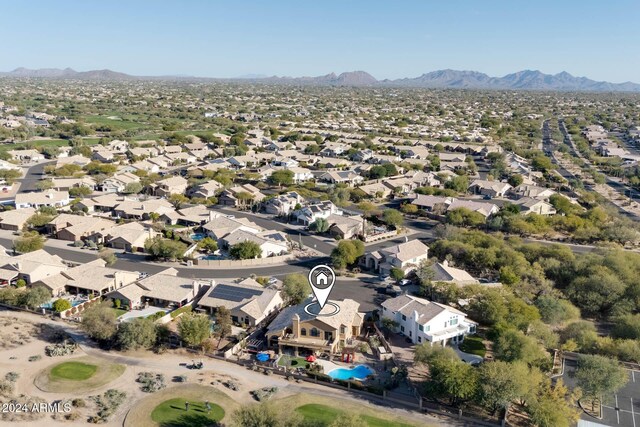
78,375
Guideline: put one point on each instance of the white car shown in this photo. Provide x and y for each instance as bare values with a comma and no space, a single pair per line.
273,281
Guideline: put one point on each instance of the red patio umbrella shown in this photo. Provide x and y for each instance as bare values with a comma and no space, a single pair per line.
311,358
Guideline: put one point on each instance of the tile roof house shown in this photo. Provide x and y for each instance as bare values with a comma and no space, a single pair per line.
486,209
92,278
249,302
528,205
206,190
427,321
283,204
129,237
171,185
118,182
221,225
295,329
533,191
405,256
443,272
31,266
272,243
436,204
15,219
53,198
489,188
233,195
309,214
341,177
345,227
164,289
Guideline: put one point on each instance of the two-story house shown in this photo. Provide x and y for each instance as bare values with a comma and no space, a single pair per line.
296,331
405,256
427,321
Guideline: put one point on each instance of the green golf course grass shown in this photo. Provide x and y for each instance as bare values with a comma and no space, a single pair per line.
324,415
172,412
74,371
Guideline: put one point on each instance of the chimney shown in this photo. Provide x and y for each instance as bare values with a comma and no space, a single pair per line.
445,263
296,325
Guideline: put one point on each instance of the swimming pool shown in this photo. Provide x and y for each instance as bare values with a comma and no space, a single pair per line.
74,302
196,237
360,372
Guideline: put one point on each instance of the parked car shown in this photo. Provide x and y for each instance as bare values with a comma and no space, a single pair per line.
405,282
394,290
273,280
143,275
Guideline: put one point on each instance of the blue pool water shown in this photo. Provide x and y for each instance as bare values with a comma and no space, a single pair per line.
74,302
360,372
196,237
212,257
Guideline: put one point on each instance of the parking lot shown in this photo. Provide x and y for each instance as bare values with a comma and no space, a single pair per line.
620,409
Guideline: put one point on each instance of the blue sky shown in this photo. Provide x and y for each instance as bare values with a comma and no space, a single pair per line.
389,39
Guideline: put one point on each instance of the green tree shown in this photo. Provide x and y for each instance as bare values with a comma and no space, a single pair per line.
409,208
245,250
61,305
501,383
320,225
282,177
448,375
81,191
137,333
346,253
367,208
36,296
108,256
295,288
133,188
513,345
392,217
555,311
28,242
459,183
627,326
489,307
598,375
397,274
161,248
194,328
177,200
99,321
39,219
208,244
515,180
45,184
553,406
222,327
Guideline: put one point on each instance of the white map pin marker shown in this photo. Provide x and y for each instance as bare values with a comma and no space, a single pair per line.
322,278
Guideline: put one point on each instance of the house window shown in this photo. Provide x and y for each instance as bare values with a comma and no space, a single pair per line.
420,327
303,332
343,330
314,332
419,339
402,328
454,321
404,317
427,328
410,333
445,324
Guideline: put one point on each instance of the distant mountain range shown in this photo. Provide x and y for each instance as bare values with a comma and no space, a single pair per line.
443,79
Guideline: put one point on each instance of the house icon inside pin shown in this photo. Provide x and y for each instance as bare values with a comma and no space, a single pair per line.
322,279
